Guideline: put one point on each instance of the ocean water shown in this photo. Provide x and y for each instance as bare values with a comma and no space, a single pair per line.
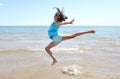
35,38
24,46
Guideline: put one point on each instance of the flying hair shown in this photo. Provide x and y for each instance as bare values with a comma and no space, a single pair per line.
61,15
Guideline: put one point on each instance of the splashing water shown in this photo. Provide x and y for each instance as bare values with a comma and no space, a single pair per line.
71,70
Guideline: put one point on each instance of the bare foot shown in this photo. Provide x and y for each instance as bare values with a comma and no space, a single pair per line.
54,61
91,31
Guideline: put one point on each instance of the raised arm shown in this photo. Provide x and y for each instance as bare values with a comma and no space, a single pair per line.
64,23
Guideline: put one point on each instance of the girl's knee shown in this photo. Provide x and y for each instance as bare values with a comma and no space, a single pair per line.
46,48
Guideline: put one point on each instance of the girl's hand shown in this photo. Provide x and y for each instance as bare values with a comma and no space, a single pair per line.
71,22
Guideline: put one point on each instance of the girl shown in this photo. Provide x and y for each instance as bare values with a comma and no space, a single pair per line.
59,17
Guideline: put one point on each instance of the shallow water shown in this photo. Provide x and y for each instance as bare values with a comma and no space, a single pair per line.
24,45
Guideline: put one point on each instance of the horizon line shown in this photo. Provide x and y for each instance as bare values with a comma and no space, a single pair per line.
63,25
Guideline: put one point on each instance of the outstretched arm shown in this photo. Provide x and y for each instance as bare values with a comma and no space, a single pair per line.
64,23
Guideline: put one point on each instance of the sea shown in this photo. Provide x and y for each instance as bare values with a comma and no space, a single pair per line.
35,39
19,41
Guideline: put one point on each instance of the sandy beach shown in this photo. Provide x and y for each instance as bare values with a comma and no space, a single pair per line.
91,67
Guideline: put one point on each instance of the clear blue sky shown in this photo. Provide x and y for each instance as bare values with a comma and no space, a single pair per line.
40,12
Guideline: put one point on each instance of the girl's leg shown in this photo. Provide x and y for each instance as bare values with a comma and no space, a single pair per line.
77,34
52,44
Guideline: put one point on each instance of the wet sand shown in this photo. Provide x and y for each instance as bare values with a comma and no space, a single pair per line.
37,66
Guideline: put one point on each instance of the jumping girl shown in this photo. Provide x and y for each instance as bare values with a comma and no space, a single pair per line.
59,17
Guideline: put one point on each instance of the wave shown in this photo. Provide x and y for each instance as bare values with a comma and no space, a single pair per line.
31,49
19,50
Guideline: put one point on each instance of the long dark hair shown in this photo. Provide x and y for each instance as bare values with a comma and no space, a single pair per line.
61,15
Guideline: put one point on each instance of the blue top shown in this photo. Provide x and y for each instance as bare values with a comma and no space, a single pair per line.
53,30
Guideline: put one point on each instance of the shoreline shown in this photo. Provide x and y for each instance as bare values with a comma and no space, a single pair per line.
45,71
92,67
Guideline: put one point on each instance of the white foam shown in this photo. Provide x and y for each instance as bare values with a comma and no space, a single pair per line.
66,49
82,51
71,70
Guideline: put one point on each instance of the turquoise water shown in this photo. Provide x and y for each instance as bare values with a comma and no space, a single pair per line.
8,32
35,38
22,46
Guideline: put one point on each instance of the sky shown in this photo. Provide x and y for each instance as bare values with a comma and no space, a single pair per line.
40,12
